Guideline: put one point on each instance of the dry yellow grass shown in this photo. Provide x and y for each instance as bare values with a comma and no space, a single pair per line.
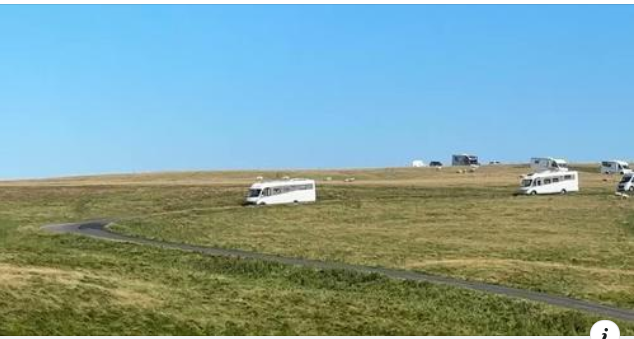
495,175
122,292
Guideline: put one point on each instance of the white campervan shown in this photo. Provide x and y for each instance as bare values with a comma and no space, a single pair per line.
548,164
551,182
615,166
627,183
282,192
418,163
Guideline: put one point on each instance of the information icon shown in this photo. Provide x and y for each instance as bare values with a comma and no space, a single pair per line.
605,329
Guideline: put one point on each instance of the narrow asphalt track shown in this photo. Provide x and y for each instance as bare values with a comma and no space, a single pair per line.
98,229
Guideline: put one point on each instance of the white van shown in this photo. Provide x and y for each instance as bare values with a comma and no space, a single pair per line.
627,183
418,163
552,182
615,166
282,192
548,164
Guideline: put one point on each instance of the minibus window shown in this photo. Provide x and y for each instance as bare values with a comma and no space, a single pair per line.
546,181
267,192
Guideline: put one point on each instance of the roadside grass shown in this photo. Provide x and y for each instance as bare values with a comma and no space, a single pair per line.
71,285
65,285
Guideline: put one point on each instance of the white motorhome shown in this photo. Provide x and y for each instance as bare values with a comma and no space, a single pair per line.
418,163
627,183
548,164
282,192
615,166
551,182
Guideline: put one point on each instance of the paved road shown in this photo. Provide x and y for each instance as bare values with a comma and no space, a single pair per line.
97,229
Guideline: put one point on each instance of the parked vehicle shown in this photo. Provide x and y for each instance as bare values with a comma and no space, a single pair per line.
418,163
436,164
282,192
465,160
627,183
548,164
615,166
551,182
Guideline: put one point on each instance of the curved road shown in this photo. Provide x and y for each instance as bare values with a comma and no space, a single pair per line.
98,229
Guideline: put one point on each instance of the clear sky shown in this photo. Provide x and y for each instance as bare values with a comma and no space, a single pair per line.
98,89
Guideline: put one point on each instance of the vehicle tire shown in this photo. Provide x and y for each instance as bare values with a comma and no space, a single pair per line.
632,188
533,193
564,192
262,204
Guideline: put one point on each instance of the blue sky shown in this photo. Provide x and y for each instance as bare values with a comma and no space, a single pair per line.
100,89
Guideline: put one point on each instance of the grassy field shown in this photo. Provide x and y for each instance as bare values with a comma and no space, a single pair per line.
465,225
462,225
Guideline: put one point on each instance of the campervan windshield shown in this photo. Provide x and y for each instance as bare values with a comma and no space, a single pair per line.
527,182
626,179
254,193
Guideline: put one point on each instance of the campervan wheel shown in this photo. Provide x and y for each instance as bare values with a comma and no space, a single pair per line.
564,192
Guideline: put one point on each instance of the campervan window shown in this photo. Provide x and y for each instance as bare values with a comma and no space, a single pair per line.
606,164
254,193
267,192
287,189
569,177
546,181
555,180
527,182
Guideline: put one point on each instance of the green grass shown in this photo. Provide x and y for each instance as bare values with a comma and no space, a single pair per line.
65,284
